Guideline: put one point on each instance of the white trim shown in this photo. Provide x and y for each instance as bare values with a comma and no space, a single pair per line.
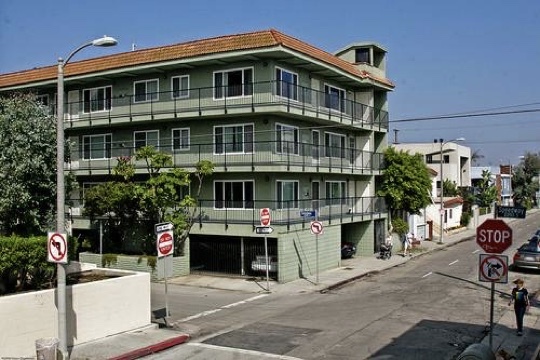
243,143
146,91
278,81
104,100
146,139
243,181
180,77
188,140
90,152
224,86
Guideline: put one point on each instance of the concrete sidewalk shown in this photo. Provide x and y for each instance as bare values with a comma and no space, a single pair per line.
153,339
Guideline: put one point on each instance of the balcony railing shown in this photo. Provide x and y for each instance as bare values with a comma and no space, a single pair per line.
273,96
241,156
284,213
288,212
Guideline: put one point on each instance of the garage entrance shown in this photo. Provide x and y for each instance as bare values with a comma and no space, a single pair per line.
232,255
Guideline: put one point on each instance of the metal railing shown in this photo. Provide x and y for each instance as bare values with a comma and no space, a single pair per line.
242,156
271,96
283,212
288,212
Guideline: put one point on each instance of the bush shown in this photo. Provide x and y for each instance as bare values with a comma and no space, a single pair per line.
465,219
400,226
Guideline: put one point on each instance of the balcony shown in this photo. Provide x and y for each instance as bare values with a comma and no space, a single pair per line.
285,213
261,97
257,156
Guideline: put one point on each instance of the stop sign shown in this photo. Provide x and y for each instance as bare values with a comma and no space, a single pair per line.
494,236
265,216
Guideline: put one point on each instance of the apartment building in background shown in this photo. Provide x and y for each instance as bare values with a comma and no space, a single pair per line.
289,127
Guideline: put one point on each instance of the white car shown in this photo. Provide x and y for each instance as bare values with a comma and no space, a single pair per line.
259,264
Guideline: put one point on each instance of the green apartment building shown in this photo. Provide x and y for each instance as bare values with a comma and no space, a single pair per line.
289,127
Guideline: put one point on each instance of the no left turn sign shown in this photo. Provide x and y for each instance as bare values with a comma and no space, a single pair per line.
316,227
57,248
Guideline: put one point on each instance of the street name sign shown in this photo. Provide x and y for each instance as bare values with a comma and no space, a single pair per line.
307,213
517,212
494,236
264,230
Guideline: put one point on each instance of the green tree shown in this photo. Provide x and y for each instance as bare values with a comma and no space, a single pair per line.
525,181
406,183
450,188
161,198
27,166
487,192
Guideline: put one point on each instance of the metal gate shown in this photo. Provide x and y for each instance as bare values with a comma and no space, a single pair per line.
232,255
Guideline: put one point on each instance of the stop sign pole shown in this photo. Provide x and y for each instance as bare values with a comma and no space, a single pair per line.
165,249
494,236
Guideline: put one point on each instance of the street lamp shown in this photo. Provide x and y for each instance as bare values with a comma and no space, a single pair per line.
60,191
441,208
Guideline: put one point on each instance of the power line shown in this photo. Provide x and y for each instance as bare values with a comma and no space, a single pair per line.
469,115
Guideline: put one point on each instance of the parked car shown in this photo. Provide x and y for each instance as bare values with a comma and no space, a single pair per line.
528,255
348,250
259,264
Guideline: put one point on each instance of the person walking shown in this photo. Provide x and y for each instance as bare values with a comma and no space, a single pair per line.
407,243
520,299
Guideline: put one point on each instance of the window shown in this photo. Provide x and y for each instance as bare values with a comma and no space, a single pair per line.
336,192
362,56
287,84
334,145
233,139
233,194
97,99
180,139
146,138
287,139
446,159
335,98
180,87
287,194
97,147
233,83
429,159
146,90
43,99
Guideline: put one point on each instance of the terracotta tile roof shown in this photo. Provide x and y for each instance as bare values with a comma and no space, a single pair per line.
248,41
453,201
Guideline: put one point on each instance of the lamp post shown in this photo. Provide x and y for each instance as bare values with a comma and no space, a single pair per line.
441,194
60,188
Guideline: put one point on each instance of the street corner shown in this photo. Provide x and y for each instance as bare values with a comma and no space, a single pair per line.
154,348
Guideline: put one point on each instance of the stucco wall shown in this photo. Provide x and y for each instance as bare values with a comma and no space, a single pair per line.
93,310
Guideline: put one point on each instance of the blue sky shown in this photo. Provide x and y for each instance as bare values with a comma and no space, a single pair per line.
445,57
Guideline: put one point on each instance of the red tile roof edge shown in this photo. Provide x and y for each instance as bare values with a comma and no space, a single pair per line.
220,44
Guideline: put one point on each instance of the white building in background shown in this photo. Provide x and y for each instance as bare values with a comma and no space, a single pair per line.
456,167
501,177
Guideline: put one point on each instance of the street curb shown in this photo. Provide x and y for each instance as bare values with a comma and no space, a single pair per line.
354,278
149,350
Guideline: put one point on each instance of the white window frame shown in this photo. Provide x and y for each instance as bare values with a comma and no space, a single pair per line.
331,198
224,202
283,146
181,92
224,92
107,102
280,190
146,132
342,99
181,145
283,86
329,150
250,149
107,146
154,96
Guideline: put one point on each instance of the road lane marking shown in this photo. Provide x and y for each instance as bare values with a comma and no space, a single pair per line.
213,311
475,251
453,262
429,273
243,351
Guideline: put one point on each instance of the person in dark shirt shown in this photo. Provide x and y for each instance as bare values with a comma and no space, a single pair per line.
520,299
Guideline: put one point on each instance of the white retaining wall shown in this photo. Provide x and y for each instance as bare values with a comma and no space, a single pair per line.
93,310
